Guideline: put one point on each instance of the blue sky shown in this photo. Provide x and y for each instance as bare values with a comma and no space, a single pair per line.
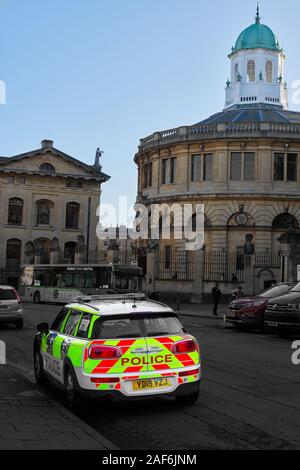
89,73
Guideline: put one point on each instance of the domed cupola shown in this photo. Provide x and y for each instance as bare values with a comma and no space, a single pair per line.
256,36
257,62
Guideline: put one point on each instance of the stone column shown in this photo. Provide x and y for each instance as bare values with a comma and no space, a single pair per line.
55,257
197,289
249,261
37,259
150,286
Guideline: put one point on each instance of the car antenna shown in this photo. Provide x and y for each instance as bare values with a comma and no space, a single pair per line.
134,304
124,300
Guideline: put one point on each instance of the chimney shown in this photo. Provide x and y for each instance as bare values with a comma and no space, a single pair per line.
47,144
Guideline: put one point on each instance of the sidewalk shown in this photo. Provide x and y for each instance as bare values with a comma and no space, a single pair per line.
31,420
201,310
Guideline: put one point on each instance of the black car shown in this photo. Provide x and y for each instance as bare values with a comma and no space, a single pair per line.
282,314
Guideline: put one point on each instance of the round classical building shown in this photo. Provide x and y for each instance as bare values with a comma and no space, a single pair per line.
243,164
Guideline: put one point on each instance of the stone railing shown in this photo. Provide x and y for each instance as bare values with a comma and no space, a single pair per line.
214,131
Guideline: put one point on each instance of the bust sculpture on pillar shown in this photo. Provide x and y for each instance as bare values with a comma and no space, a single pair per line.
54,251
80,251
29,252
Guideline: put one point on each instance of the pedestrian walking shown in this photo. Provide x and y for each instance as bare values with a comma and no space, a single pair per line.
216,296
238,293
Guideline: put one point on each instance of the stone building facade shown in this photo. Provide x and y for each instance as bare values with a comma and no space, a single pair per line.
243,164
48,209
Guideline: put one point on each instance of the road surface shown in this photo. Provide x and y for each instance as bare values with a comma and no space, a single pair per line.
250,396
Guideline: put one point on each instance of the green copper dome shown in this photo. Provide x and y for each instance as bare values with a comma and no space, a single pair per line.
256,36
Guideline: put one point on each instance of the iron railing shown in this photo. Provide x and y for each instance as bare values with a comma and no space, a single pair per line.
223,266
268,259
177,266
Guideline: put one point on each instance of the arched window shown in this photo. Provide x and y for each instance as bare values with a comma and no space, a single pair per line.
43,212
13,253
72,215
285,221
47,168
42,247
69,251
15,211
269,71
236,71
251,71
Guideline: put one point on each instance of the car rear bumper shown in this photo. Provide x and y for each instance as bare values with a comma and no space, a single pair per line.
275,325
11,316
236,320
125,387
117,395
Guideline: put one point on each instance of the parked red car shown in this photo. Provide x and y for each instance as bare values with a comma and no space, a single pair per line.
249,312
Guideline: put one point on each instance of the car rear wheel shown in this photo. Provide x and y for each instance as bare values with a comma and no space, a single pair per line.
37,297
71,390
38,368
189,399
19,324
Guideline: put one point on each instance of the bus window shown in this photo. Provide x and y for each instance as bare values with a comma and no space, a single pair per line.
57,280
122,283
104,277
91,280
39,277
67,279
79,279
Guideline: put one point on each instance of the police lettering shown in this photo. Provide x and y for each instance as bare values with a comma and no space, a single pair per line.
137,361
52,365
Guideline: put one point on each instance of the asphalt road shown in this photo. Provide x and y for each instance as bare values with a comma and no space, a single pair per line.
250,395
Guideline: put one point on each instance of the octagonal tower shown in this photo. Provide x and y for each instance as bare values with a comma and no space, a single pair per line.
257,68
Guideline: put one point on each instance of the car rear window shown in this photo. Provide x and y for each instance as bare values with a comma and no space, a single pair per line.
7,294
136,326
276,291
162,325
117,327
296,288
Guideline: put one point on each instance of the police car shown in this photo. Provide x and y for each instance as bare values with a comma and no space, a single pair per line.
126,348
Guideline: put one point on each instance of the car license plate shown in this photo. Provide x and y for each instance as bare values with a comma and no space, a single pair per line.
146,384
231,316
274,324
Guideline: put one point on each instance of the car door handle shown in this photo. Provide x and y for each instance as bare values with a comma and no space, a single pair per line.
146,351
139,351
155,350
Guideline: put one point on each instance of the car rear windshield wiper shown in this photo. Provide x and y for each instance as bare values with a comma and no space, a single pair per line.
159,333
128,336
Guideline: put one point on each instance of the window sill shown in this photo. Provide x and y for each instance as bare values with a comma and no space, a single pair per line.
15,226
43,227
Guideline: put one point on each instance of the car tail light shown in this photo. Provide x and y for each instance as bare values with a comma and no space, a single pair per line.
17,296
184,347
104,352
189,372
105,380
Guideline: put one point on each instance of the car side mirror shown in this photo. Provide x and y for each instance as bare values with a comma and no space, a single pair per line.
43,327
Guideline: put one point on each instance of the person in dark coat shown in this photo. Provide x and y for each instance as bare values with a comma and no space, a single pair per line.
216,296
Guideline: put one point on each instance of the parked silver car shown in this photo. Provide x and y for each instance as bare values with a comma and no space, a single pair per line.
11,310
